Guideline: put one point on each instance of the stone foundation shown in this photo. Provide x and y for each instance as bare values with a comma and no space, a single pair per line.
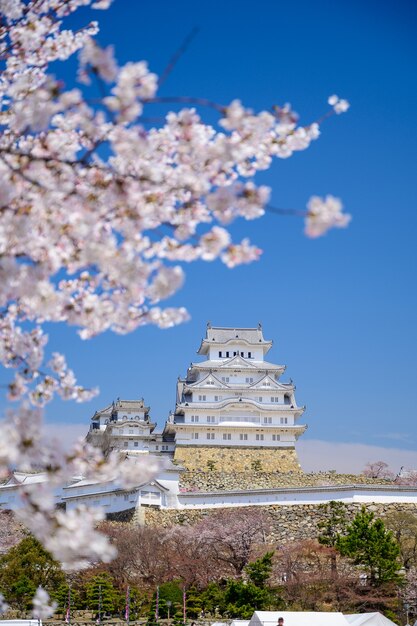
288,523
235,460
192,481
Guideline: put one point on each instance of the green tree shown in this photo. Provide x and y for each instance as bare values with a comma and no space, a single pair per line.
335,523
61,597
139,603
170,597
404,526
194,603
243,598
24,568
102,596
260,570
372,546
212,598
332,527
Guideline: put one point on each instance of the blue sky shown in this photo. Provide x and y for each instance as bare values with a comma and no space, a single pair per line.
342,309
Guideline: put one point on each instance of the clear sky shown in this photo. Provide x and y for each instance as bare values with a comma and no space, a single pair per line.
342,309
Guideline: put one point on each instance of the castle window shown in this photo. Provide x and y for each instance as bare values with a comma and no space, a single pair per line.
225,379
210,435
234,353
220,354
260,399
211,418
227,355
242,354
227,436
276,437
201,398
259,437
136,443
249,380
195,418
156,447
194,435
125,444
284,420
243,437
249,355
267,420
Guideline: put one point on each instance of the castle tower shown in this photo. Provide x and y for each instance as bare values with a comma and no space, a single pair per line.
125,425
232,412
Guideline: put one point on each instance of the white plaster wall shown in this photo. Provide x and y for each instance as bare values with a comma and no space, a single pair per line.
256,352
293,497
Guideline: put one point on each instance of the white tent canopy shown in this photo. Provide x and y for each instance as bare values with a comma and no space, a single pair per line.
368,619
297,618
318,618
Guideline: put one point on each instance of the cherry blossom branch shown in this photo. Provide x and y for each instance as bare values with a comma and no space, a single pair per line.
204,102
86,197
278,211
177,55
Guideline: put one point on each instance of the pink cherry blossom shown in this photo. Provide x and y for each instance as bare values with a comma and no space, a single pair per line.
98,239
43,608
324,214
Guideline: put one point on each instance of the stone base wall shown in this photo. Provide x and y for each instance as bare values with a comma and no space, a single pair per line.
288,523
194,480
235,460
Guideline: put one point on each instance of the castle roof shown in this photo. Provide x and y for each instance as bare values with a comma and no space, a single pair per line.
130,406
222,335
236,362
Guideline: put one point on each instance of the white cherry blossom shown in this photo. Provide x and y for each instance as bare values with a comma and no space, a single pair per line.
324,214
43,608
4,607
339,105
99,213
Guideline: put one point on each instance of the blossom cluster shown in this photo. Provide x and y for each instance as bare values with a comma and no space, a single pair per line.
71,537
43,608
98,214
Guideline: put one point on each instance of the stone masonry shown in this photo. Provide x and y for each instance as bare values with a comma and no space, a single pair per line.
237,460
211,481
288,523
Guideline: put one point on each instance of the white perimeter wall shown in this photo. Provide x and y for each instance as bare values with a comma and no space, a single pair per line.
297,496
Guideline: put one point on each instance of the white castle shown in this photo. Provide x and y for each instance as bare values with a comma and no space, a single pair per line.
233,399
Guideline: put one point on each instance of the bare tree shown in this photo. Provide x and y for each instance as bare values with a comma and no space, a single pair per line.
231,535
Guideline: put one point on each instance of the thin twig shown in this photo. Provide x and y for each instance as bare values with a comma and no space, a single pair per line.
186,100
177,55
278,211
